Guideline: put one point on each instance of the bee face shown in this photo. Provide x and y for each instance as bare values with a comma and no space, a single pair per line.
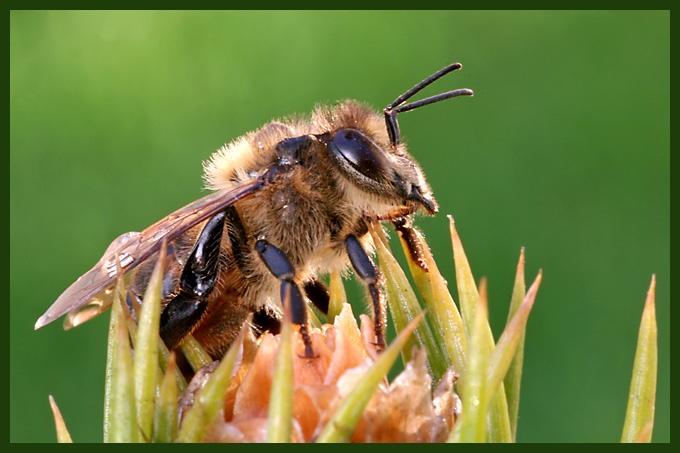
362,153
293,200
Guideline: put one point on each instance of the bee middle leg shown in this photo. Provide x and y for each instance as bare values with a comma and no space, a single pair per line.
369,274
281,268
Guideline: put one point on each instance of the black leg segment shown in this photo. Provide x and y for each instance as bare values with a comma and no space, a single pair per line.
281,268
200,270
275,260
368,273
290,292
195,284
179,318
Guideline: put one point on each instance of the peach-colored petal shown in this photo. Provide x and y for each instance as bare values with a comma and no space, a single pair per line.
252,430
252,398
407,410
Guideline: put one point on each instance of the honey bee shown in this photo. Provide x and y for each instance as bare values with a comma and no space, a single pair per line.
291,201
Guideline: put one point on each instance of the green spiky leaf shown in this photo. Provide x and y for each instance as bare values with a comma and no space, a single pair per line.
639,421
513,378
209,400
498,418
165,419
281,400
121,417
442,312
404,307
63,436
146,369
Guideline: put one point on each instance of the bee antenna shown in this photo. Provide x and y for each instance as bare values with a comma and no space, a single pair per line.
398,106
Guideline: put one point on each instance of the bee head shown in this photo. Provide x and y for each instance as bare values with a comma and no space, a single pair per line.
369,152
390,174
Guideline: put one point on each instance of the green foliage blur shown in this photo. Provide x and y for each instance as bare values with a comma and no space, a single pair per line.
565,150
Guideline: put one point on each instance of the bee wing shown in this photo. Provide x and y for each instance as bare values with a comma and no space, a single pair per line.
91,293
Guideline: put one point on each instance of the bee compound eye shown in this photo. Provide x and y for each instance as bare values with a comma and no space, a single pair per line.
353,148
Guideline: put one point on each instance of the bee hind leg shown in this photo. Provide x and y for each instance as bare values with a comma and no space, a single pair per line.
281,268
197,281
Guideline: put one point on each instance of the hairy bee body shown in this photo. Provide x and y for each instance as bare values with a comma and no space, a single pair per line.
307,213
293,201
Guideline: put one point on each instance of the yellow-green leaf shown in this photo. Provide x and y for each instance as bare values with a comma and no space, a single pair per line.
338,296
63,436
498,418
121,424
442,313
194,353
279,423
471,427
639,420
404,307
513,378
209,399
146,367
165,420
504,352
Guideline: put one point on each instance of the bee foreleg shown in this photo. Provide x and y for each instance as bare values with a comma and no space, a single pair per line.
369,274
408,234
184,311
281,268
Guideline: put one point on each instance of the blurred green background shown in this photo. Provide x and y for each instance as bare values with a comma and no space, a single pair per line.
563,150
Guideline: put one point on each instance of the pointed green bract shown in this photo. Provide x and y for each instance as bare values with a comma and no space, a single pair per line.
63,436
338,296
404,307
639,421
498,418
209,399
505,350
442,313
165,419
121,424
146,369
471,427
312,317
194,353
513,378
465,282
163,352
279,423
111,349
164,362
